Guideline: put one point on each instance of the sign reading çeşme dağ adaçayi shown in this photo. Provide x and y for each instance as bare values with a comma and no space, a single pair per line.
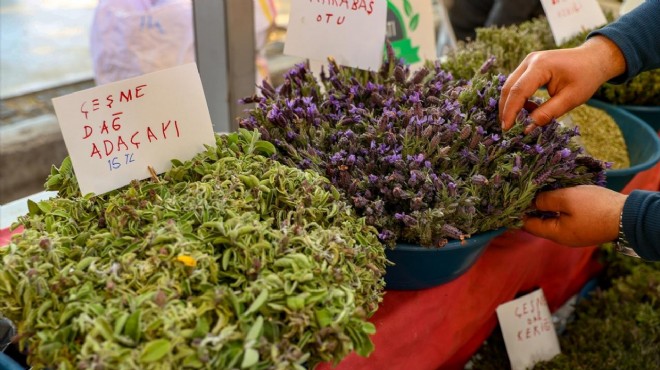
116,131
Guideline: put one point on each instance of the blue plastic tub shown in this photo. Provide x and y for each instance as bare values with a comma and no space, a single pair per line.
6,363
416,267
650,115
642,142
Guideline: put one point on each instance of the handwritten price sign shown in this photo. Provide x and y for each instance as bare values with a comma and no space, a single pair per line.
350,31
116,131
529,334
567,18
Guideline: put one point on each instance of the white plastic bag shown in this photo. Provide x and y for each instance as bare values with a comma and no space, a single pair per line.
133,37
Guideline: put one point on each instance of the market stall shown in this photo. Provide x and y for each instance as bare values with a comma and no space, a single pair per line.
266,247
442,327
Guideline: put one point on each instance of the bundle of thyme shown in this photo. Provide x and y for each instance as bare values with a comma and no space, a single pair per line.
511,44
230,260
421,156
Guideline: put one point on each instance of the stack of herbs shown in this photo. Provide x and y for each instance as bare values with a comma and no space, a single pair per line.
421,156
230,260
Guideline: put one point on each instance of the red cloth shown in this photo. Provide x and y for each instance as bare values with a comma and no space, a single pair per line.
5,235
442,327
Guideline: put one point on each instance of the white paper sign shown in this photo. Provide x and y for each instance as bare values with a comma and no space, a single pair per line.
350,31
529,334
567,18
115,131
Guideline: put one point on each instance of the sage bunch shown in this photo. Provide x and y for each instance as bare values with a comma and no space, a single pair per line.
230,260
420,155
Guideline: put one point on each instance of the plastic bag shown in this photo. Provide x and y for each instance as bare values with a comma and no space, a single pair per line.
133,37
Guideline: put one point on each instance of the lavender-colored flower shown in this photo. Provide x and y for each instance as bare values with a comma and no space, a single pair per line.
452,232
479,180
428,148
451,188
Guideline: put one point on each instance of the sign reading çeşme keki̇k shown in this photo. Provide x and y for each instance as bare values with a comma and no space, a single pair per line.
114,132
350,31
567,18
528,331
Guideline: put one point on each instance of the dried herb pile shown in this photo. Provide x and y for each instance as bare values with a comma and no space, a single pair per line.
231,260
421,156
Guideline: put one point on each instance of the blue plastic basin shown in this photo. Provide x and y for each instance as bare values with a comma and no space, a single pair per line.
416,267
650,115
642,142
7,363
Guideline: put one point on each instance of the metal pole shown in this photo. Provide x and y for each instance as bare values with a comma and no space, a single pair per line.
225,52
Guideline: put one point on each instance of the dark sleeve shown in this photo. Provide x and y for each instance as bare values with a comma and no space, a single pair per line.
641,223
637,34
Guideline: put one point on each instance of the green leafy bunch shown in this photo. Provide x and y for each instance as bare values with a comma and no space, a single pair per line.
229,260
509,45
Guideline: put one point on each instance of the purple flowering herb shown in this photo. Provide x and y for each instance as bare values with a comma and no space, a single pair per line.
421,147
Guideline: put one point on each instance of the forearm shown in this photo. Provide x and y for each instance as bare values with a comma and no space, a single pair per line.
637,35
641,223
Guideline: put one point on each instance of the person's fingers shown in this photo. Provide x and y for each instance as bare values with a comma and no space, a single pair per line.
544,228
521,90
506,88
554,201
554,107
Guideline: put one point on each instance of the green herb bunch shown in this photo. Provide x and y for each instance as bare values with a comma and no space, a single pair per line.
422,156
509,45
230,260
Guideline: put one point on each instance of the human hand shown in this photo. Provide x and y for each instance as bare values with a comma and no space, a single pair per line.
588,215
570,75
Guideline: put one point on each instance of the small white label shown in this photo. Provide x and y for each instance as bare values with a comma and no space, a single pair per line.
567,18
529,334
350,31
114,132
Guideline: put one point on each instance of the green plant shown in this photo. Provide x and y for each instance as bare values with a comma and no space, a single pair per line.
229,260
